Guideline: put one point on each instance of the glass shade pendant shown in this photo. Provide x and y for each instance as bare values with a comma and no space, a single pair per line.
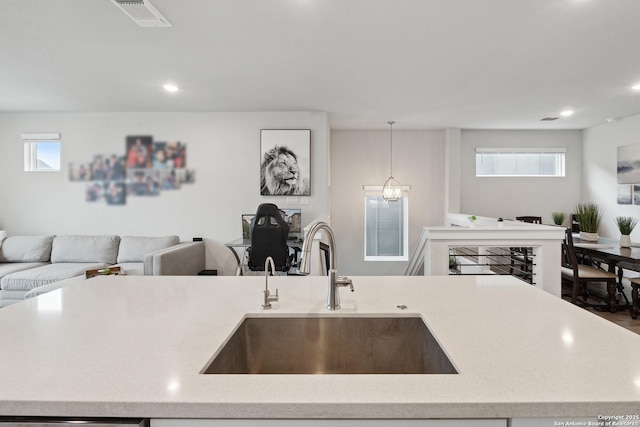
391,190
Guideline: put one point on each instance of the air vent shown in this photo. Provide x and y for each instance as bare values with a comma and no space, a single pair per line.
142,12
549,119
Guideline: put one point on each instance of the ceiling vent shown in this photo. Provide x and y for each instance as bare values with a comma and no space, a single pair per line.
142,12
549,119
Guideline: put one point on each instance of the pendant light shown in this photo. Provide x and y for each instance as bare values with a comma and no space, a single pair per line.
391,190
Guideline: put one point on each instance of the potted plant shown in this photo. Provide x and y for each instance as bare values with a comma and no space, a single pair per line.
558,217
472,221
588,216
626,224
453,263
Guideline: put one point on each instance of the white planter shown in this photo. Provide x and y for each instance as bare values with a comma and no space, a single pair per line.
625,241
589,237
472,224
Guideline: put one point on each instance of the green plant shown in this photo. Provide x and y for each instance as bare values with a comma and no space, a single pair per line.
588,216
558,217
626,224
472,218
453,261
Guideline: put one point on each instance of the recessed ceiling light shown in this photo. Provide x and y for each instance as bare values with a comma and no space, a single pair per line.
636,87
170,88
566,113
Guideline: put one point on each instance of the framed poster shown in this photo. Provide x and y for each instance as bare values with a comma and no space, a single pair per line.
285,162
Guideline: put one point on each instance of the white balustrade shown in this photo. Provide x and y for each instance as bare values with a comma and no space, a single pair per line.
545,241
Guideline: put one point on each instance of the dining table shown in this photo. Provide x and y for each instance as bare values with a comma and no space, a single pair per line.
608,251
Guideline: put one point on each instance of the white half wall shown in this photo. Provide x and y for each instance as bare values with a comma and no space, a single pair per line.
600,171
362,158
511,197
222,148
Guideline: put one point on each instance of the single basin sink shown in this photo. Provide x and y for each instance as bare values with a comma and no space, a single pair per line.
331,345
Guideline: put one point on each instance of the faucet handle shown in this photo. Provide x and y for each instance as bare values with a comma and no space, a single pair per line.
344,281
268,299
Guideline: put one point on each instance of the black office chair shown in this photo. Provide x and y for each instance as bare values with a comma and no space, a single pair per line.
269,233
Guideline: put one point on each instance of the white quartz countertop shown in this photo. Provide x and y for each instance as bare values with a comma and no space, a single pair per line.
134,346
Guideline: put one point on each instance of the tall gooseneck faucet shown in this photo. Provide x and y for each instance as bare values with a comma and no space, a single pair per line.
335,281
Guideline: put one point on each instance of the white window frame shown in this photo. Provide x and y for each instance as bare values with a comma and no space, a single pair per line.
560,165
31,142
376,191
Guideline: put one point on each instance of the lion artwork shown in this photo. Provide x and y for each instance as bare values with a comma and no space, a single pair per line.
280,174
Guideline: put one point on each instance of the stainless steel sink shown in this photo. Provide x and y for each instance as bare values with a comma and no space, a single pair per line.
330,345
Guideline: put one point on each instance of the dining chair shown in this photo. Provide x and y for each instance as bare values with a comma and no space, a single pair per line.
520,256
530,219
635,285
579,275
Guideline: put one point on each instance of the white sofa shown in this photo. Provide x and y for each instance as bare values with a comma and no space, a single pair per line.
28,263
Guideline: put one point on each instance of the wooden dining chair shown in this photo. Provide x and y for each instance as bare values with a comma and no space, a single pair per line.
530,219
635,286
521,257
579,275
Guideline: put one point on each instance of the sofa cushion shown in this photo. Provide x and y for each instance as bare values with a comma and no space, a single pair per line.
50,287
11,297
26,249
3,235
134,248
12,267
100,249
39,276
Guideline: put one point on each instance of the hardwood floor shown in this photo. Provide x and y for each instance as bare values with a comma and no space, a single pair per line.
621,318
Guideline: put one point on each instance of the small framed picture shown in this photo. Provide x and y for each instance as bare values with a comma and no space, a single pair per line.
285,162
624,194
139,152
80,172
636,195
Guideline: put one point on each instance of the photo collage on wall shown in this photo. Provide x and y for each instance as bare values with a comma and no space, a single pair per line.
148,168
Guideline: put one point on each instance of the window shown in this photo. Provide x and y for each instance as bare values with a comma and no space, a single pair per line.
41,152
520,162
386,228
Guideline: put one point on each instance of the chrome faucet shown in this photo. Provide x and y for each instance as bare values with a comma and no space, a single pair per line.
268,298
335,281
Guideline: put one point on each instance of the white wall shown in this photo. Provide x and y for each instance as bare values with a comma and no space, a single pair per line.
600,171
362,158
511,197
222,148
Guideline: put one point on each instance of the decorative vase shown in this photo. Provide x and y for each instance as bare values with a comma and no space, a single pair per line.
472,224
625,241
589,237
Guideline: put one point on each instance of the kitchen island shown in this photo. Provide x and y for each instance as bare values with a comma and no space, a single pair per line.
124,346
